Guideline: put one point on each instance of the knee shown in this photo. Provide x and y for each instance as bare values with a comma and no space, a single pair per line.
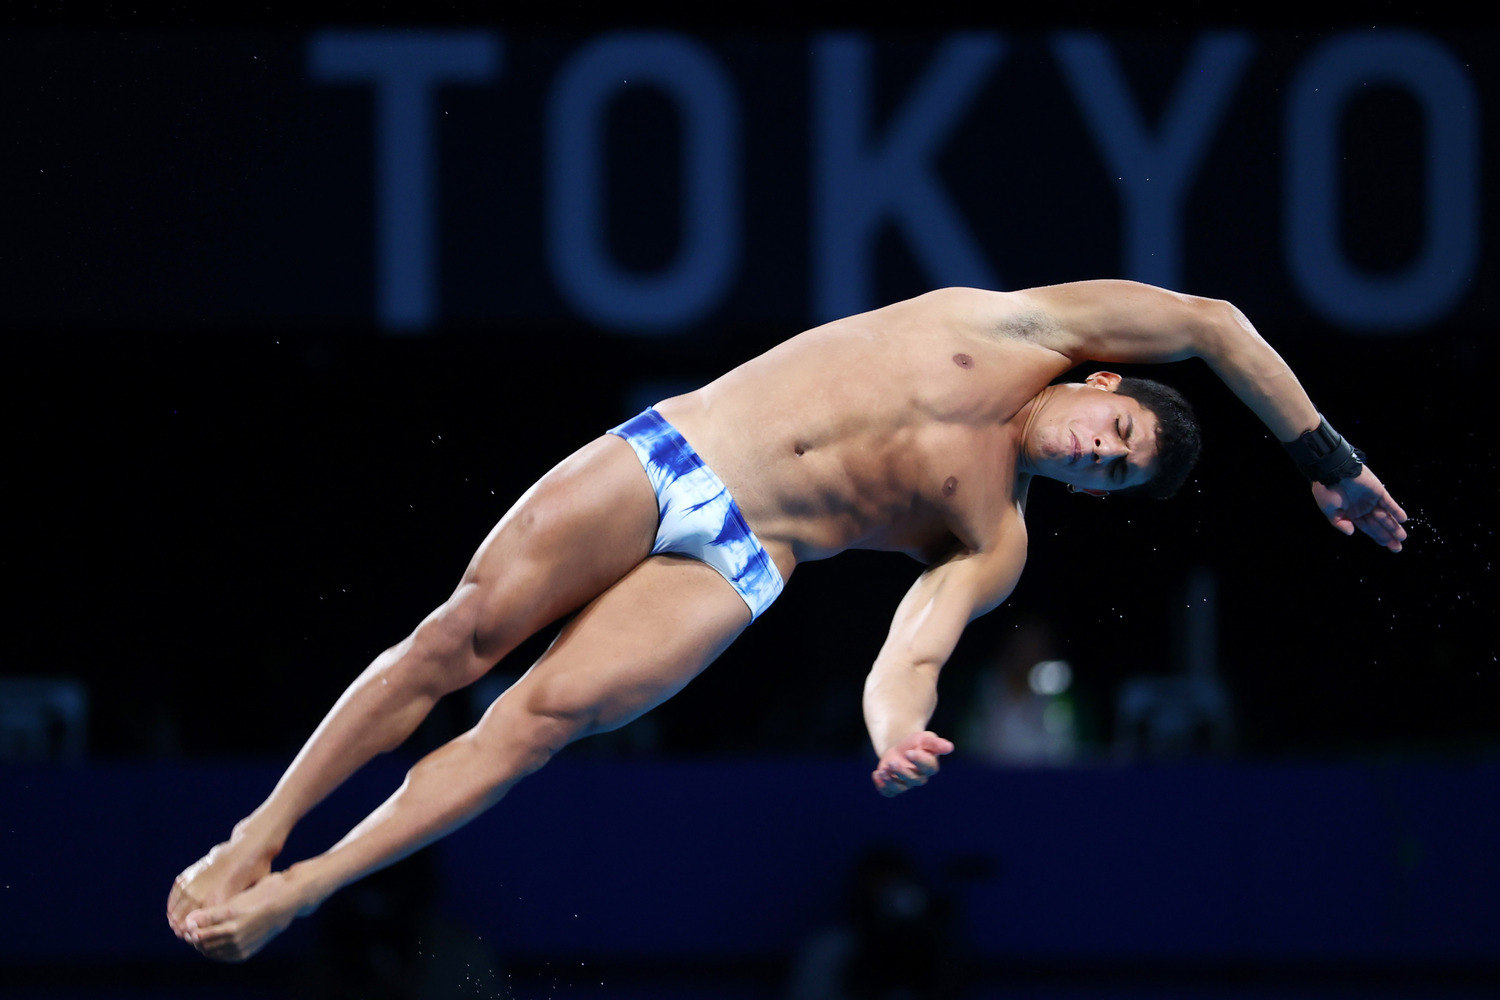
442,650
543,722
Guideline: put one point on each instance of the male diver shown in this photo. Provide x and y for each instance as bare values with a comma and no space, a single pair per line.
917,428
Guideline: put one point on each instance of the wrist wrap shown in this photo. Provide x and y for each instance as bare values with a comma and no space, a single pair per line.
1324,456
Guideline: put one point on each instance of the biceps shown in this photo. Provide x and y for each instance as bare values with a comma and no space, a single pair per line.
1127,321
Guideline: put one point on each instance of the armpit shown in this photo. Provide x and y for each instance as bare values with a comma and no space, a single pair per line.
1031,325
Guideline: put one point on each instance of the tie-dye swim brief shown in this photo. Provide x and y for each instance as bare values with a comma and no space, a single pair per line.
698,516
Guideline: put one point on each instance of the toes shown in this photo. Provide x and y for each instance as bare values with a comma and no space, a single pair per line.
222,945
204,919
180,904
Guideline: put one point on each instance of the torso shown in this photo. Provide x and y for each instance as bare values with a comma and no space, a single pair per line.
894,429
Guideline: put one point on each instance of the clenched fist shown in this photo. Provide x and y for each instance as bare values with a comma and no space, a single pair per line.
910,763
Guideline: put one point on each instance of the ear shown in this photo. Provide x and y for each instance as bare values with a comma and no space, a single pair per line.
1108,381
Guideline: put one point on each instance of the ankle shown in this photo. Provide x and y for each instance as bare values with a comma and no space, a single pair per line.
306,888
258,838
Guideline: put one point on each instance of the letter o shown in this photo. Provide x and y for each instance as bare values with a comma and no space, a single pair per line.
593,282
1429,287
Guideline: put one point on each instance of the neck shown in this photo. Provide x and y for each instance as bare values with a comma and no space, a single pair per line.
1028,415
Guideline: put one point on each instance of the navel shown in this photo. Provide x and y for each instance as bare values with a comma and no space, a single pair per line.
799,449
963,361
950,486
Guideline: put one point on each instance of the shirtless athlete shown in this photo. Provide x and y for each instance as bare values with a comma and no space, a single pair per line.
915,428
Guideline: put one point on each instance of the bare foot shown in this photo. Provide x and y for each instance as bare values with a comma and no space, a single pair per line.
229,868
237,929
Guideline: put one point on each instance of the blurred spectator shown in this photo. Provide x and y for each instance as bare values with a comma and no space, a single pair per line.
896,940
43,719
1021,711
1190,714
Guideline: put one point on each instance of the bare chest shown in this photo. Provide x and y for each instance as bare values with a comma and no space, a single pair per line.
848,441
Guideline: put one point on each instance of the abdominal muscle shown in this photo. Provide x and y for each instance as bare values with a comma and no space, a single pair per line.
846,435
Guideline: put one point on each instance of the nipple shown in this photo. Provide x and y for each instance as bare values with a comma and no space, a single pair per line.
950,486
963,361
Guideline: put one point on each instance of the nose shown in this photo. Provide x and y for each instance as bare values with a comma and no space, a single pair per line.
1106,448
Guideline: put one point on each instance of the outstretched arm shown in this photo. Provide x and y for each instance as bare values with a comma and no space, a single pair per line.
901,690
1129,322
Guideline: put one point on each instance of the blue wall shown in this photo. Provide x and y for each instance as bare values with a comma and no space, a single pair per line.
1342,863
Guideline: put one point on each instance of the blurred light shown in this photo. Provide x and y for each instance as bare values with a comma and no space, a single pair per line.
1050,677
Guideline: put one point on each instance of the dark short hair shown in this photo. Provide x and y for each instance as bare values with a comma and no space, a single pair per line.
1179,441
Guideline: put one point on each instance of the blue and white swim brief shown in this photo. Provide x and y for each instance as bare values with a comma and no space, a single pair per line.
698,516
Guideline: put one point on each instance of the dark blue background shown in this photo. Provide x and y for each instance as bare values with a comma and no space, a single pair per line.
233,483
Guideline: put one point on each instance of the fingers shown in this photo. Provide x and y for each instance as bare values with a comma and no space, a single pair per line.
1343,524
1385,529
913,766
910,765
1381,524
934,743
1386,535
1364,503
905,777
897,775
926,764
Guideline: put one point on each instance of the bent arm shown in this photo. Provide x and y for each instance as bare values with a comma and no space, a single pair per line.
1133,323
900,692
1130,322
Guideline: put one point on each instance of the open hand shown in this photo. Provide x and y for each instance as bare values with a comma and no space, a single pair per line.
1363,503
910,763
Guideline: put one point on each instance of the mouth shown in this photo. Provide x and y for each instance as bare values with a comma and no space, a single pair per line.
1077,448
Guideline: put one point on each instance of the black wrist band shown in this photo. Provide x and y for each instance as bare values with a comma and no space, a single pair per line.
1324,456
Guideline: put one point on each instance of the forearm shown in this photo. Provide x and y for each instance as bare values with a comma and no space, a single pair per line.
442,792
1257,375
1347,492
899,700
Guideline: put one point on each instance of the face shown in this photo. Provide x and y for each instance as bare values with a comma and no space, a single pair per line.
1088,436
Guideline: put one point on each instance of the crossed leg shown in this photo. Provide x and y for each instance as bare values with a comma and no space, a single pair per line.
580,529
630,649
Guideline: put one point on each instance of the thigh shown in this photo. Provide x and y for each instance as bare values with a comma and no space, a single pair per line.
631,649
578,530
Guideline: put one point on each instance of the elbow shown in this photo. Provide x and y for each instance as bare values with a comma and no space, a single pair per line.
1220,324
1230,315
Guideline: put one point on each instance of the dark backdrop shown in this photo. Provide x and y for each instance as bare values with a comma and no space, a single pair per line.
239,471
281,348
